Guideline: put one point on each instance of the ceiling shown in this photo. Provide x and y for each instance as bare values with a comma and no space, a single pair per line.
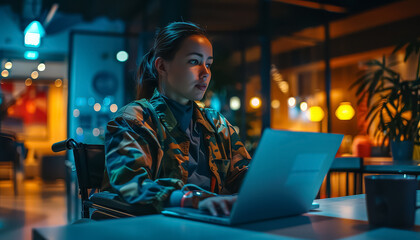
285,16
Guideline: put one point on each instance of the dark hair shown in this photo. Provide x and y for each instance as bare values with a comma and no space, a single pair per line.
167,42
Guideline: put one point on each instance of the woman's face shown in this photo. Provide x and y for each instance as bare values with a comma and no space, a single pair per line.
187,76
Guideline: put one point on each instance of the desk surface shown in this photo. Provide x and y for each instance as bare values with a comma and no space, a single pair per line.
337,218
387,165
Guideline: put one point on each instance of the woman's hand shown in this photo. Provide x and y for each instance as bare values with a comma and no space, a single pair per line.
218,205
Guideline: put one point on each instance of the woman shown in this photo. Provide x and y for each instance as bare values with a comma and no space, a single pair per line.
156,145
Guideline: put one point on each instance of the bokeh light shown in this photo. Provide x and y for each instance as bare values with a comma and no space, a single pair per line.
41,67
113,108
97,107
122,56
8,65
235,103
275,104
291,101
5,73
28,82
255,102
303,106
58,82
34,75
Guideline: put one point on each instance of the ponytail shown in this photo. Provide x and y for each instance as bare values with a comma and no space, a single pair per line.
147,76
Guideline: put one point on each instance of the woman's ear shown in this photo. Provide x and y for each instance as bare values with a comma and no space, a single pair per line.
160,65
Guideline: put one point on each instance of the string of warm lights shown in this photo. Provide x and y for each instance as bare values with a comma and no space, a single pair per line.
278,79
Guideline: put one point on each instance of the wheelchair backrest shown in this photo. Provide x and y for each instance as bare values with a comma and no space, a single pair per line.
90,164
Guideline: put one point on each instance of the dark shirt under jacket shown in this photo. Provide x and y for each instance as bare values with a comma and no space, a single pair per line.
198,166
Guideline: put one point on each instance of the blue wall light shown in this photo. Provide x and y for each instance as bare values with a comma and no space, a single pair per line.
31,55
33,34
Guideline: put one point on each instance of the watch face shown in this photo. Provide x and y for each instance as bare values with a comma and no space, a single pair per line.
105,83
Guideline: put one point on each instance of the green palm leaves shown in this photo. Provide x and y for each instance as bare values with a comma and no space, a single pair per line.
393,102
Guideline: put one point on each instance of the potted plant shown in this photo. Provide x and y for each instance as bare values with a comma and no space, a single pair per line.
393,102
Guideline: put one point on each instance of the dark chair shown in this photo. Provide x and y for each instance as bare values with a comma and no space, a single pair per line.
9,153
89,161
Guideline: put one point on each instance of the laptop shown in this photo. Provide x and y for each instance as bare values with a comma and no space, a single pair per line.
283,178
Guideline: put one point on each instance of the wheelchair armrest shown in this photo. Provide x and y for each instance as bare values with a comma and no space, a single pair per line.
114,201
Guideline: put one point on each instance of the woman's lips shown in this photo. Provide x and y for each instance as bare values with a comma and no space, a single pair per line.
201,87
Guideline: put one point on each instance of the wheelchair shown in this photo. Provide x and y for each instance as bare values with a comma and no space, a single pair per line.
89,161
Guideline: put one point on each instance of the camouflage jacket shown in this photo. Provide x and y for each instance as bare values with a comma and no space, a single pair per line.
145,150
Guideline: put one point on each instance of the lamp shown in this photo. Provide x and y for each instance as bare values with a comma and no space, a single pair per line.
345,111
316,114
33,34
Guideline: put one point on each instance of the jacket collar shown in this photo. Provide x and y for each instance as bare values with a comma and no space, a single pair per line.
168,119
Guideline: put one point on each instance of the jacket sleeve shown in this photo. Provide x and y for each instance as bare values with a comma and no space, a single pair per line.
238,155
132,150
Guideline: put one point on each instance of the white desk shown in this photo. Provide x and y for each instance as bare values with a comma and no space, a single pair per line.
337,218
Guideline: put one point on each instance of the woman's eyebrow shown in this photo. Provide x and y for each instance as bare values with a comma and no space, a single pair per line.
198,54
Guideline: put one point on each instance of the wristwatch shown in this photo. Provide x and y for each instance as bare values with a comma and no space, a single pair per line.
193,198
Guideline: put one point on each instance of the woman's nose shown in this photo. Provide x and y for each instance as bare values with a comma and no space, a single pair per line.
205,71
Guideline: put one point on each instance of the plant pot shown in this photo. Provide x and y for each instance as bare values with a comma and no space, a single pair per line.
402,150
